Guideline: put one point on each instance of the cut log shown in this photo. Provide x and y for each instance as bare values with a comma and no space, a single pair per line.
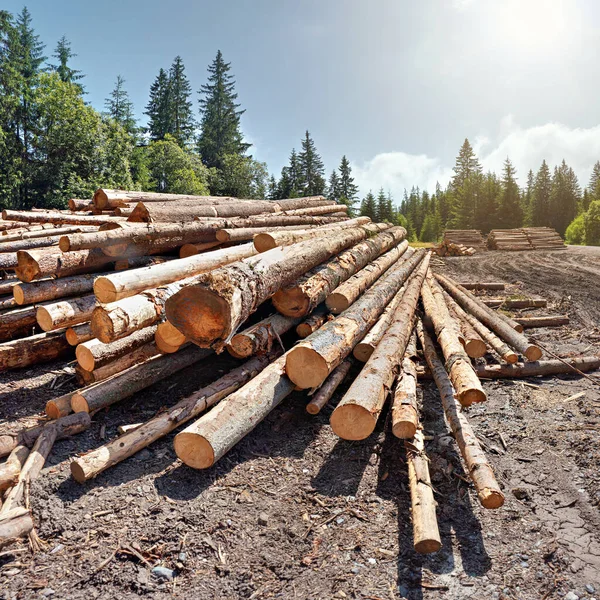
317,318
326,209
203,443
137,262
32,350
52,231
473,343
118,365
426,535
66,313
7,285
270,240
310,362
405,407
17,323
168,338
105,198
259,338
541,367
15,524
193,249
113,287
66,427
355,417
305,294
52,289
467,385
93,463
8,261
241,234
210,308
346,293
483,286
79,333
57,217
551,321
59,407
491,319
7,304
478,467
47,241
515,302
134,379
324,394
78,204
40,263
94,354
9,471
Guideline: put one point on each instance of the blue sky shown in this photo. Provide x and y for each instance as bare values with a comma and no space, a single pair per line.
396,85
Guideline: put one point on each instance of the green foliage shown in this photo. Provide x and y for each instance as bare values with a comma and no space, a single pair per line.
158,107
540,201
333,188
432,228
594,185
575,233
181,123
592,224
311,168
347,189
64,54
368,207
242,177
508,213
385,208
565,197
120,108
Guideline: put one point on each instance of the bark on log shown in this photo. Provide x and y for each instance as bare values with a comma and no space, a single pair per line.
204,442
168,338
59,407
7,304
467,385
39,263
491,319
260,338
79,333
57,218
30,244
426,535
193,249
41,233
79,204
214,304
327,209
346,293
551,321
405,408
17,323
8,261
120,364
540,367
515,303
134,379
241,234
66,313
15,524
474,344
356,415
483,286
9,471
32,350
137,262
324,394
317,318
105,198
310,362
52,289
478,467
6,285
92,464
305,294
6,226
95,354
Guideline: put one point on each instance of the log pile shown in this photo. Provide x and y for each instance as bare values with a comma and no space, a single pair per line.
447,248
470,238
511,240
544,238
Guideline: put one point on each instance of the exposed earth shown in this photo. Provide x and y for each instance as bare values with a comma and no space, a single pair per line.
293,512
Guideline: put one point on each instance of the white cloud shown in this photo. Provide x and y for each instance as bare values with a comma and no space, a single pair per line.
526,147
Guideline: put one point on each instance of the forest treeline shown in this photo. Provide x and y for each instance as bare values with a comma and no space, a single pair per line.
55,146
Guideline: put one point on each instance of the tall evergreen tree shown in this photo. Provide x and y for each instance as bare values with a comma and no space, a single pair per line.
368,207
527,198
312,170
564,197
272,189
333,189
465,187
594,185
348,190
182,122
540,200
120,108
157,109
64,54
509,214
485,210
220,126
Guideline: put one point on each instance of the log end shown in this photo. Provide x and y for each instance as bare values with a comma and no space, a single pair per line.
533,353
100,199
27,267
102,326
471,396
79,403
405,430
475,348
105,290
312,408
44,319
222,235
78,472
188,250
194,450
18,294
427,546
518,327
303,330
491,498
64,243
240,346
352,422
305,367
264,242
337,303
511,357
85,357
53,410
291,302
362,352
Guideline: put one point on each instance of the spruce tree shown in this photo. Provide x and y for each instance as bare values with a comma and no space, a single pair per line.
333,189
157,109
509,214
312,171
368,207
528,199
64,54
120,108
348,190
485,210
540,200
181,119
295,175
465,187
220,125
272,189
594,185
384,208
564,197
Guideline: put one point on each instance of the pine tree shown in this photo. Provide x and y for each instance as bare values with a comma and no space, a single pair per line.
64,54
540,201
465,187
564,197
182,122
157,109
120,108
312,171
220,126
509,214
348,190
272,189
368,207
528,199
333,190
594,185
485,211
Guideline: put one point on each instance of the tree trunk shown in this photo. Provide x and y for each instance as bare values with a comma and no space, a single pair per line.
426,535
346,293
9,471
115,286
324,394
551,321
540,367
311,361
94,354
53,289
17,323
104,198
270,240
93,463
356,415
515,303
491,319
66,313
32,350
483,286
57,217
7,285
7,304
478,466
317,318
473,343
45,232
8,260
78,204
47,241
134,379
15,524
213,305
137,262
405,408
259,338
327,209
305,294
467,385
79,333
120,364
203,443
59,407
193,249
247,233
40,263
168,338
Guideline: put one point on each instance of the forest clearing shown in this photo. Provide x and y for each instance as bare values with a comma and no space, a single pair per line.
314,457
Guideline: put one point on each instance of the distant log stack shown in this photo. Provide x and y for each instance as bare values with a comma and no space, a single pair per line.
527,238
544,238
468,238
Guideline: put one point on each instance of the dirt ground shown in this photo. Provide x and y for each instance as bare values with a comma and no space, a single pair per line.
293,512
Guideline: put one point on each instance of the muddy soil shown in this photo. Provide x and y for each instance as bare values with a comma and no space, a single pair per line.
293,512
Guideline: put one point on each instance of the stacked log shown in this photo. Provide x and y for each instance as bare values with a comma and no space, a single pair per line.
544,238
511,240
469,238
447,248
